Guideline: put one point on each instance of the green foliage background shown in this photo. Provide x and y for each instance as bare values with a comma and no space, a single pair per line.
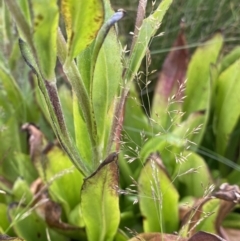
162,162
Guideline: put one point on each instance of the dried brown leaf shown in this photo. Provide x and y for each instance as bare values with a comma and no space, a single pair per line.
4,237
35,140
47,209
174,68
157,237
204,236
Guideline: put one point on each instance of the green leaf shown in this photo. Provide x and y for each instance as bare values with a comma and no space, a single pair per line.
158,199
36,227
170,147
83,100
136,127
232,220
65,96
192,175
106,82
76,218
121,236
189,129
84,66
198,91
229,59
21,191
4,222
102,35
209,215
65,179
227,110
83,20
25,167
49,90
100,202
159,142
45,22
147,30
82,133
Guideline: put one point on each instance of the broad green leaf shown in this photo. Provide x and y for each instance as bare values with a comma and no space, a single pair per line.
227,110
146,32
82,131
121,236
229,59
65,96
83,20
4,221
83,99
21,191
108,10
84,66
25,167
103,32
169,146
100,203
82,136
76,218
135,133
155,143
106,82
209,215
189,129
136,127
158,199
36,227
198,91
192,175
45,24
65,179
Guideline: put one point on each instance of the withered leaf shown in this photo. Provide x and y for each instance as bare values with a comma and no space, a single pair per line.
35,140
203,236
4,237
199,236
47,209
228,196
157,237
174,67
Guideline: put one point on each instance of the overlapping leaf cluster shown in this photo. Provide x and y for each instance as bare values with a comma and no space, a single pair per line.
79,82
